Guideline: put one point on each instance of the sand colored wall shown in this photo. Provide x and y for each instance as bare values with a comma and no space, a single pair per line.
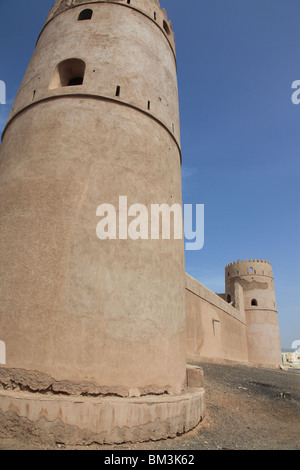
215,329
77,310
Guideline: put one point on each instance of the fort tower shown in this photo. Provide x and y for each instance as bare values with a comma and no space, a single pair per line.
256,279
94,324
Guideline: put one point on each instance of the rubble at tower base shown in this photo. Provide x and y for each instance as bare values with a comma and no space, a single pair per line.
104,420
84,419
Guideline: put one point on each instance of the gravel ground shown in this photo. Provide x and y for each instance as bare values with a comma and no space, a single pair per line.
248,408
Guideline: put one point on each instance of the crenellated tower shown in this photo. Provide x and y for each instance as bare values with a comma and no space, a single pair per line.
256,279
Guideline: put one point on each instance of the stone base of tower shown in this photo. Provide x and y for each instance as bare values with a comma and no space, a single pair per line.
74,419
81,420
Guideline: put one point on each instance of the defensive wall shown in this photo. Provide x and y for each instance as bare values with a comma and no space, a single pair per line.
232,327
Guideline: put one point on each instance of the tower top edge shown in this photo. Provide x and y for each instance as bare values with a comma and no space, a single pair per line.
148,7
247,261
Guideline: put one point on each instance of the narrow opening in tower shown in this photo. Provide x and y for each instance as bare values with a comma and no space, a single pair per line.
70,72
118,91
166,27
149,105
254,303
85,14
228,298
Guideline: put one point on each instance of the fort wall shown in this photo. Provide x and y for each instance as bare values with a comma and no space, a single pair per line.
215,329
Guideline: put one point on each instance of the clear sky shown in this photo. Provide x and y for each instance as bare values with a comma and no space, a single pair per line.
240,131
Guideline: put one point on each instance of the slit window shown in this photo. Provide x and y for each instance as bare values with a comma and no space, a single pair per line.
118,91
70,72
166,27
228,298
85,14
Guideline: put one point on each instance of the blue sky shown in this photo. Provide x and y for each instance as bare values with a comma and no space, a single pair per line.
240,131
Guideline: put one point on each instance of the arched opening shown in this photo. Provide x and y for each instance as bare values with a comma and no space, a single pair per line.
70,72
85,14
254,303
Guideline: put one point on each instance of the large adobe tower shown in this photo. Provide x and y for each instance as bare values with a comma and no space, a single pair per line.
85,320
256,279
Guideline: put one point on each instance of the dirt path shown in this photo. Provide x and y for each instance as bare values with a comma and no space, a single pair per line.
247,408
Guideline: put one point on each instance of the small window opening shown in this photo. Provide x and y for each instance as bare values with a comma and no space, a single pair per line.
70,72
155,15
149,105
166,27
228,298
254,303
251,270
85,14
118,91
128,2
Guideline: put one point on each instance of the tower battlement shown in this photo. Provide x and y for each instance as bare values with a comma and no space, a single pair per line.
234,263
248,267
